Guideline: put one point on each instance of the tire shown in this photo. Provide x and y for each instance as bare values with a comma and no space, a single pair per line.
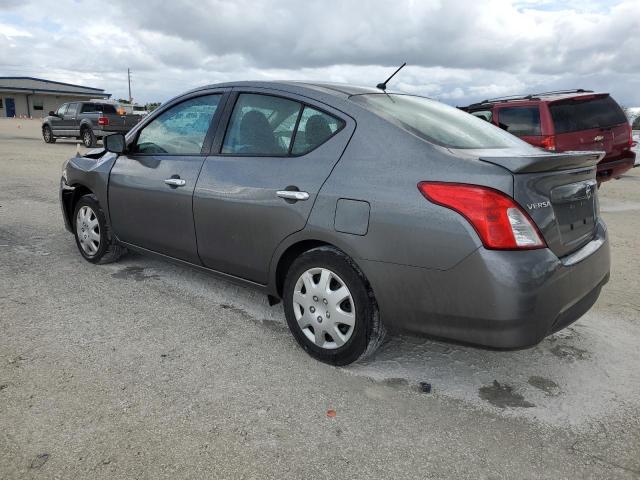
337,343
88,137
88,218
47,135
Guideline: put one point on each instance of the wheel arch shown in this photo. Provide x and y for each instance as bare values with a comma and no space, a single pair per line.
70,199
296,247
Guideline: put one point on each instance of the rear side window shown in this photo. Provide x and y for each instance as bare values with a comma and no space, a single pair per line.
181,130
261,125
315,128
520,120
576,114
88,108
636,123
436,122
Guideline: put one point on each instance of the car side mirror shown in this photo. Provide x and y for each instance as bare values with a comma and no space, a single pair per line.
52,114
115,143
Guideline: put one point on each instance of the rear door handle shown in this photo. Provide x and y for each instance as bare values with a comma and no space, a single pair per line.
175,182
292,195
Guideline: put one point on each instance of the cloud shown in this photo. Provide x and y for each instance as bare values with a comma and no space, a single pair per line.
457,51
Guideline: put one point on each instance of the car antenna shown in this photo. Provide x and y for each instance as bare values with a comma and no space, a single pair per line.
383,86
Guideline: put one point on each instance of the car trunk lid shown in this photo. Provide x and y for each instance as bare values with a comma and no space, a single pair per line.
559,192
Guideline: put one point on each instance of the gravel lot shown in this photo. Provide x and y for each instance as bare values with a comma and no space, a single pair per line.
143,369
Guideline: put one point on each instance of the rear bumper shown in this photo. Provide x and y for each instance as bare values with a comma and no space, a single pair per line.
500,299
615,168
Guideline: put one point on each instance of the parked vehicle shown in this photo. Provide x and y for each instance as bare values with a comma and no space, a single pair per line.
89,121
568,120
423,218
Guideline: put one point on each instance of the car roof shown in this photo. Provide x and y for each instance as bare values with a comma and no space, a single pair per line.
340,90
535,97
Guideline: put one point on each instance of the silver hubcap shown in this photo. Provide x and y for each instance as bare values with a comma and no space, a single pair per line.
324,308
88,230
87,137
47,134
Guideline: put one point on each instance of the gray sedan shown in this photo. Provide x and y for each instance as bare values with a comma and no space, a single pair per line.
364,211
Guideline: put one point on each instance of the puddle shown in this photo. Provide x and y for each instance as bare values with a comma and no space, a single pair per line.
548,386
503,396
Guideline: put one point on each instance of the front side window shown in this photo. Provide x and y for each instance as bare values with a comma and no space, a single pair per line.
72,109
314,129
261,125
61,110
181,130
520,120
436,122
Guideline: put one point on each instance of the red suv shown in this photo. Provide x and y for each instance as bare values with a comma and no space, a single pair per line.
566,120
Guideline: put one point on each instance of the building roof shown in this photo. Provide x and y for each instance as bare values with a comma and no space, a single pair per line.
44,86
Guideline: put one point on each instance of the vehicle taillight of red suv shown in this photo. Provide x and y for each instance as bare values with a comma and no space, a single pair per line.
566,120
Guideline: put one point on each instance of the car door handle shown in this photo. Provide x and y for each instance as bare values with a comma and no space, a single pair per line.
292,195
175,182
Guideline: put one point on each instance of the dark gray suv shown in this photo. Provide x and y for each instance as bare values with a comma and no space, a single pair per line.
364,211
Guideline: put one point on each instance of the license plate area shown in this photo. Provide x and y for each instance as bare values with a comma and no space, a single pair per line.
575,209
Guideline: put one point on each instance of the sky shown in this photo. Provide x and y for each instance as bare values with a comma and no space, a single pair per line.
456,51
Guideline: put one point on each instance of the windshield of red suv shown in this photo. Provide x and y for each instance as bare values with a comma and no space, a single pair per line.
436,122
577,114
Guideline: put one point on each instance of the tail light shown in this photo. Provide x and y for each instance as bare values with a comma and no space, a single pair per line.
500,222
630,142
549,143
103,121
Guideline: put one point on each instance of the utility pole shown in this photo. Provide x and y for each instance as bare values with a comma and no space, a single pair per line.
129,79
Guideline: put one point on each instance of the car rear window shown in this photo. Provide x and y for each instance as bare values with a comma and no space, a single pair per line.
106,108
436,122
520,120
575,114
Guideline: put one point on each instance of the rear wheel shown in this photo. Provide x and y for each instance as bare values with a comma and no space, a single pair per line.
47,134
88,137
93,237
330,309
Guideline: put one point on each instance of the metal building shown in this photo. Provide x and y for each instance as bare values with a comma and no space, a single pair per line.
35,97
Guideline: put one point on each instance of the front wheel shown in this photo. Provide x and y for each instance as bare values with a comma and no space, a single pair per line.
93,237
330,308
47,134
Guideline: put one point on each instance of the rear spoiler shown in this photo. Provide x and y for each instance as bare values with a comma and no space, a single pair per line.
547,162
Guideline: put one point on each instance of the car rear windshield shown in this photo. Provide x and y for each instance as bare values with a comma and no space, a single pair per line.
107,108
436,122
576,114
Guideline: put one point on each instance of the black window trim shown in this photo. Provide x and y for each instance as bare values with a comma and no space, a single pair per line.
231,104
209,137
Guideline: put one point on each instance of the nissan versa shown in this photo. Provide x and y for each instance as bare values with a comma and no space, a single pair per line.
363,211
